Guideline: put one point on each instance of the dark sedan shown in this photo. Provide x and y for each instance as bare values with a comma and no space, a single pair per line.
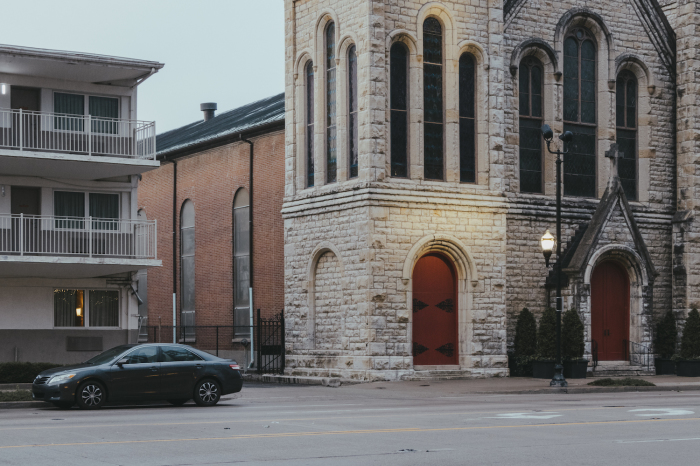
176,373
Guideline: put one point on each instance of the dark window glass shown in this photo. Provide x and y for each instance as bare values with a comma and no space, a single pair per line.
580,113
530,75
331,136
105,109
71,108
432,99
626,118
143,355
68,308
310,124
104,308
467,123
104,207
399,110
353,124
177,354
69,204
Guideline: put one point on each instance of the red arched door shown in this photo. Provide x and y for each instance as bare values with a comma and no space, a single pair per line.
610,310
434,312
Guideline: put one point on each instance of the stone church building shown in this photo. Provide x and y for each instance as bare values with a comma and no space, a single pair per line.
417,183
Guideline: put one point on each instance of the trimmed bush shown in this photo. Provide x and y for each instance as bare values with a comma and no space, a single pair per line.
525,334
666,336
22,372
546,335
690,343
572,344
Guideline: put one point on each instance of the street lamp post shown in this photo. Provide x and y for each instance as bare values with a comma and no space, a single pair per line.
548,244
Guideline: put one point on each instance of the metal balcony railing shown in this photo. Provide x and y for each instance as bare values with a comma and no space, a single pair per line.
29,235
77,134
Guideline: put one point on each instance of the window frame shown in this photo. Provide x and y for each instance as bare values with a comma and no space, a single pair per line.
406,111
474,118
194,263
86,112
236,309
353,98
330,116
627,76
531,62
309,124
442,99
86,217
86,309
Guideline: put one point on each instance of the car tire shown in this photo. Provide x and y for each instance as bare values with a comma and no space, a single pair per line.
178,402
207,392
63,404
91,395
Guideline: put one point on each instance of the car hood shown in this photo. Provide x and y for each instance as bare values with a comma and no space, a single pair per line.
58,370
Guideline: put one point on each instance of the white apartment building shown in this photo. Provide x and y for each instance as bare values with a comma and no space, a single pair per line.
72,239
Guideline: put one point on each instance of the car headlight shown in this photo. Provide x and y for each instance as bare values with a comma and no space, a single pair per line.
60,379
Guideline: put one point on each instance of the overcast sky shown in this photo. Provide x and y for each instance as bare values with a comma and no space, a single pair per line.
225,51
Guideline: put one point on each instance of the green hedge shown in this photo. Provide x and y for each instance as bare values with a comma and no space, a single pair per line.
22,372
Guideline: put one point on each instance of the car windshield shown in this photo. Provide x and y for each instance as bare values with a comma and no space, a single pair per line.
108,355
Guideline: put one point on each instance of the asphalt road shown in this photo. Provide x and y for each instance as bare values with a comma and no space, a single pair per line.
372,424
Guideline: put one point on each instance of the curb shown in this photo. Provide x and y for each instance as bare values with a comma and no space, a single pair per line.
293,380
24,404
576,390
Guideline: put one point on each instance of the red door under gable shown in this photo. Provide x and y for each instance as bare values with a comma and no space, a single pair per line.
610,310
435,335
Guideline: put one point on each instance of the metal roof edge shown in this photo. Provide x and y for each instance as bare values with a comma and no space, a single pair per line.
87,58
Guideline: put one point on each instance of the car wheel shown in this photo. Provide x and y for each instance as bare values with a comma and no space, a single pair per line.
207,393
178,402
91,395
63,404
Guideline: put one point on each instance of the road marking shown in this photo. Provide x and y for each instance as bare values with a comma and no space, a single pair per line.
543,415
346,432
662,412
658,440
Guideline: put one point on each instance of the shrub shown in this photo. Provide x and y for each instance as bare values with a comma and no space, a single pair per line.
666,336
572,344
22,372
525,334
546,335
626,382
690,343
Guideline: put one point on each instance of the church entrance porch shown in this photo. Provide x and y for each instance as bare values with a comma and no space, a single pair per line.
610,311
435,331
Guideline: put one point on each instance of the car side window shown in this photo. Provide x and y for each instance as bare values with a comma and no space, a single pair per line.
143,355
176,353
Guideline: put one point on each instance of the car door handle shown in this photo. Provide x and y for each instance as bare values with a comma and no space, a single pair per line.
154,369
199,366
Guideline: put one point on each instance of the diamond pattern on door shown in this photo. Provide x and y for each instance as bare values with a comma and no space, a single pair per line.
447,305
418,305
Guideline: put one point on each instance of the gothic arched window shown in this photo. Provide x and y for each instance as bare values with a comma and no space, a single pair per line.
241,262
432,100
310,124
530,82
187,268
399,110
353,123
626,99
467,118
580,113
331,144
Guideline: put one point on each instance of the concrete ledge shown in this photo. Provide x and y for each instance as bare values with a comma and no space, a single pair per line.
295,380
15,386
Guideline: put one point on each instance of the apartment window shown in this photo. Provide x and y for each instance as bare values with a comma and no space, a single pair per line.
86,308
310,124
399,110
71,108
530,82
187,263
432,99
103,208
331,143
69,104
467,118
626,116
580,113
353,124
241,262
105,109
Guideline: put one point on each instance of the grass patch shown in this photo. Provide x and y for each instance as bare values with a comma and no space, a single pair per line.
626,382
16,395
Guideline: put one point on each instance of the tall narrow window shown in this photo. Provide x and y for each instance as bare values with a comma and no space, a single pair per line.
432,100
187,249
399,110
353,127
467,120
626,97
331,144
580,113
241,262
69,308
310,124
530,81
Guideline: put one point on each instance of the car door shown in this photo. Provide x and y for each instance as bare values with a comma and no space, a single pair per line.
139,378
180,369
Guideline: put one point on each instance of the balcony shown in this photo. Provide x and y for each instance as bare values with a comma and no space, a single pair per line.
74,146
74,247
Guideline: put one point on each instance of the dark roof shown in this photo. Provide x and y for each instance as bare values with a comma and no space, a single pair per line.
232,122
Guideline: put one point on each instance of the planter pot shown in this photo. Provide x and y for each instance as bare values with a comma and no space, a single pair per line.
665,366
688,368
519,366
576,369
543,369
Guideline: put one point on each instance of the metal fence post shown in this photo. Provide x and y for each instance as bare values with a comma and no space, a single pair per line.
259,359
89,134
90,236
217,340
21,131
282,339
21,234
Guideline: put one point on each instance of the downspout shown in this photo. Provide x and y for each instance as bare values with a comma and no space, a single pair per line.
174,251
252,255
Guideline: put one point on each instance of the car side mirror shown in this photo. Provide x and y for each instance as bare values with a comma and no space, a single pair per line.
122,361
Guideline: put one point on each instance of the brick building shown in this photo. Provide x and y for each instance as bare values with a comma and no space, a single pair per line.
203,184
417,184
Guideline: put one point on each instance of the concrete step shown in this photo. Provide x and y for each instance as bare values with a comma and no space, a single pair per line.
440,375
621,370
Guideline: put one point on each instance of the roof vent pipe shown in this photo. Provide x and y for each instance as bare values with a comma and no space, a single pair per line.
209,110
